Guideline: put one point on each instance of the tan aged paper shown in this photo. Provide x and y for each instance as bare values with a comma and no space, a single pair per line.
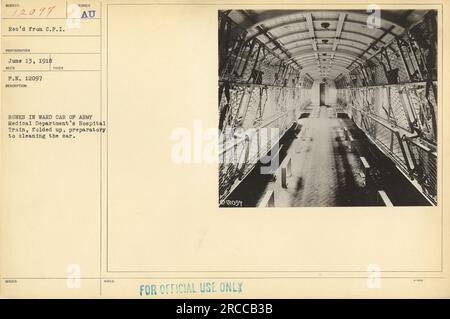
135,137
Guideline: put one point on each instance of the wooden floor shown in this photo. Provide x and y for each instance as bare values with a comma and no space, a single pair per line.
329,159
325,169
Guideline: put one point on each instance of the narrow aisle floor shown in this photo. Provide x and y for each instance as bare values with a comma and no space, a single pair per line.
325,169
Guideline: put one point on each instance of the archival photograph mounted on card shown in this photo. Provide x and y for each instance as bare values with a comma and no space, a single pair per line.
327,108
195,149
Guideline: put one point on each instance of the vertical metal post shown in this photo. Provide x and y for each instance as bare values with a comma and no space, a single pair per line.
402,147
247,104
406,109
239,107
250,51
283,177
415,58
399,45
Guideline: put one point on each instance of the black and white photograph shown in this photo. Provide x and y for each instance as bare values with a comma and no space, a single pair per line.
328,108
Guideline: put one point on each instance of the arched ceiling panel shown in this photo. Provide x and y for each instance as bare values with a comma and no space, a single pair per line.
302,26
324,41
